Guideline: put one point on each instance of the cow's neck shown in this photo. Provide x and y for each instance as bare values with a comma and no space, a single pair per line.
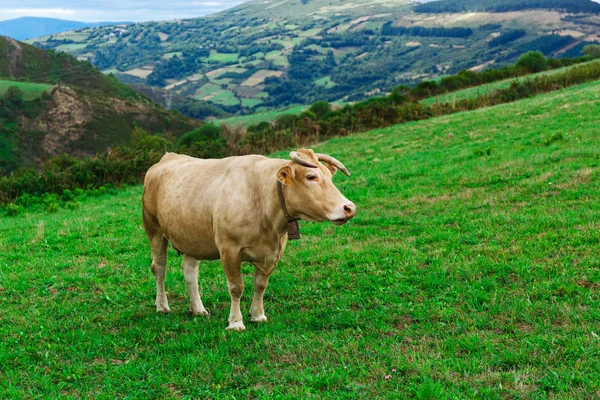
273,210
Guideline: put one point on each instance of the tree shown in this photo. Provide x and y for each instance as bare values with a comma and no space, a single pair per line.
13,95
533,61
592,50
320,109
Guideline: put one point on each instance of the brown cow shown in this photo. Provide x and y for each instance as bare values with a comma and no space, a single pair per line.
230,209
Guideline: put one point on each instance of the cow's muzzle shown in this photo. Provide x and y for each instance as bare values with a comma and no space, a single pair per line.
349,211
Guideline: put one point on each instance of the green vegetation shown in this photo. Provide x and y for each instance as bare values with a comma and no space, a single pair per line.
265,116
467,273
533,61
332,42
102,112
475,91
326,82
457,6
31,91
222,57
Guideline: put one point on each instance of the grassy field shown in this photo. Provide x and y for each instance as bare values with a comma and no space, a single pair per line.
471,271
31,91
266,116
473,92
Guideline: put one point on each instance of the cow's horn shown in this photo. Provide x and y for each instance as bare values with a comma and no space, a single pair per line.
299,160
333,161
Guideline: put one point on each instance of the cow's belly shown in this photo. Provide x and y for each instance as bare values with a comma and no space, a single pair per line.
192,235
199,247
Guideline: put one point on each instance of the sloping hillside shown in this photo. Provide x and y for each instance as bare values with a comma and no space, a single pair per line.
32,27
467,273
81,113
276,53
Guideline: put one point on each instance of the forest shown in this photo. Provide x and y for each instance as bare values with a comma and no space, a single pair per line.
458,6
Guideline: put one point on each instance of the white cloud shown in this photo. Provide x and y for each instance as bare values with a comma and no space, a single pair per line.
113,10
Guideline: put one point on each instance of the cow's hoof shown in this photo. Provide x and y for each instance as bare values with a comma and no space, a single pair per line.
259,318
162,309
201,313
236,326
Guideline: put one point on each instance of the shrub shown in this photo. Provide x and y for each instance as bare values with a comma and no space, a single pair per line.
532,61
206,131
142,140
320,109
13,209
52,207
13,95
592,50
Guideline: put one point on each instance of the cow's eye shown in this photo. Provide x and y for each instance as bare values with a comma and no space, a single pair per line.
312,178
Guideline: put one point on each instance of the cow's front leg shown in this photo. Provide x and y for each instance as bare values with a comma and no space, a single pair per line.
261,280
190,272
231,265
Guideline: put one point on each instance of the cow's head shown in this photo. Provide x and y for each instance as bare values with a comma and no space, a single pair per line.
309,190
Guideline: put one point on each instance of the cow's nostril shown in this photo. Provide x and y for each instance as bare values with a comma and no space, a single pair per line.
349,209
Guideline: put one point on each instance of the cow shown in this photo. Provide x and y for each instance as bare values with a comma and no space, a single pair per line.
235,209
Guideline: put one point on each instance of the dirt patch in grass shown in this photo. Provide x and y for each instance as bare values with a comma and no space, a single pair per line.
260,76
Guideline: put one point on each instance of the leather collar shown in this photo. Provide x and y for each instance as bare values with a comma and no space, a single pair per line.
293,229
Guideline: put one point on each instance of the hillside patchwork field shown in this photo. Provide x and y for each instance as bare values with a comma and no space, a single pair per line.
471,271
273,54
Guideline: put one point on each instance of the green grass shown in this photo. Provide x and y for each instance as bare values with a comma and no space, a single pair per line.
172,54
251,102
326,82
207,89
222,57
482,90
31,91
225,97
71,47
266,116
470,275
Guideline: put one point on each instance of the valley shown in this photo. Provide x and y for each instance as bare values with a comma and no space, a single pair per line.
263,55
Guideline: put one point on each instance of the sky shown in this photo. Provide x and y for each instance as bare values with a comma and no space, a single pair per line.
113,10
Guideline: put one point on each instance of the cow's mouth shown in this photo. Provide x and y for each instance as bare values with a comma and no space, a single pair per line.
340,221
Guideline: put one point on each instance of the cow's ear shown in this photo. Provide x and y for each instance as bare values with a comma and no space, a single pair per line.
285,175
330,167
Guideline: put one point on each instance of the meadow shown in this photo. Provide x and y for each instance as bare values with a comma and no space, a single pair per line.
31,91
264,116
471,271
476,91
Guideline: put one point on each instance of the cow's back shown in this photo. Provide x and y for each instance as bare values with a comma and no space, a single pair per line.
184,198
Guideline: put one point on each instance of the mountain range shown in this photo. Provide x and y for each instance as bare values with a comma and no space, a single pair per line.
273,53
32,27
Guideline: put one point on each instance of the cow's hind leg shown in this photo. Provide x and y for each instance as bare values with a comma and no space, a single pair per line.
232,267
190,272
159,269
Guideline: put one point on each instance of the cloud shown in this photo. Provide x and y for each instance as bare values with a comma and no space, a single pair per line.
113,10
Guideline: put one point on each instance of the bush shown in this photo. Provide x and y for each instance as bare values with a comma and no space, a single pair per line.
13,209
592,50
52,207
206,131
13,95
533,61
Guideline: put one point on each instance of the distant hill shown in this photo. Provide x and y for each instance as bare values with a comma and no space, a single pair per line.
270,53
31,27
69,107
